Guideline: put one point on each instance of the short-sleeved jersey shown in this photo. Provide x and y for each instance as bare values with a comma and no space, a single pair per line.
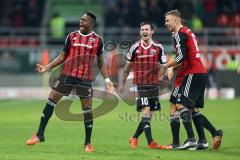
146,62
185,44
81,52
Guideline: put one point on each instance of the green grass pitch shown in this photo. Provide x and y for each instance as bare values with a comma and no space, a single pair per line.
19,119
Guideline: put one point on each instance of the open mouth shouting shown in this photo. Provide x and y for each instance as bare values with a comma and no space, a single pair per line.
145,35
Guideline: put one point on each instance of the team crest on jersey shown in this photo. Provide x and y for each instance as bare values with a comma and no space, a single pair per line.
153,51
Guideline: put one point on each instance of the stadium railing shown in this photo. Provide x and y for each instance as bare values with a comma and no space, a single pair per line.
41,37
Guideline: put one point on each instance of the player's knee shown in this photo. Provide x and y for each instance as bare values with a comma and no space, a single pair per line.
146,110
86,102
184,114
87,106
179,106
55,96
173,109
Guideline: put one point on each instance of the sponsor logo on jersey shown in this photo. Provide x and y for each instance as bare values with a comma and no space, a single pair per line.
82,45
144,56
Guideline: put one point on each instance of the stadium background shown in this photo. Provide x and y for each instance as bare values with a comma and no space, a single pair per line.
34,31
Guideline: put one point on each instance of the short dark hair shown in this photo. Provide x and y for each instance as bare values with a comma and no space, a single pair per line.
174,12
92,16
147,23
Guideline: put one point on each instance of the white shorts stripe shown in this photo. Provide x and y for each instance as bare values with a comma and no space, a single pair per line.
187,87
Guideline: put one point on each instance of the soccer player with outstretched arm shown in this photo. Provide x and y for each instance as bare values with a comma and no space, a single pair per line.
80,50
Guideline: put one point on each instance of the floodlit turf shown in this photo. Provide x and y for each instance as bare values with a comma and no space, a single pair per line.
19,119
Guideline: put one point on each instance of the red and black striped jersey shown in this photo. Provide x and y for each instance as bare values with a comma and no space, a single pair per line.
146,61
186,46
81,52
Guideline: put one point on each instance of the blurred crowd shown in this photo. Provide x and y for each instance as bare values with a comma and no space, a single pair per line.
129,13
21,13
199,13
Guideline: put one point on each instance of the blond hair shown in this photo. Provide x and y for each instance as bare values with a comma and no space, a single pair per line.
175,13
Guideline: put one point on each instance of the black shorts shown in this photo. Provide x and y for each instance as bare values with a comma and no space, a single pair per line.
65,85
191,92
147,95
174,95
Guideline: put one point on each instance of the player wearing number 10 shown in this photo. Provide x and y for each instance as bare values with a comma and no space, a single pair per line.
144,56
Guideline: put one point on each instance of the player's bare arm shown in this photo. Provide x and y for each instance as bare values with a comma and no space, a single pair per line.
170,70
102,69
165,72
161,72
126,71
58,60
177,67
169,64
